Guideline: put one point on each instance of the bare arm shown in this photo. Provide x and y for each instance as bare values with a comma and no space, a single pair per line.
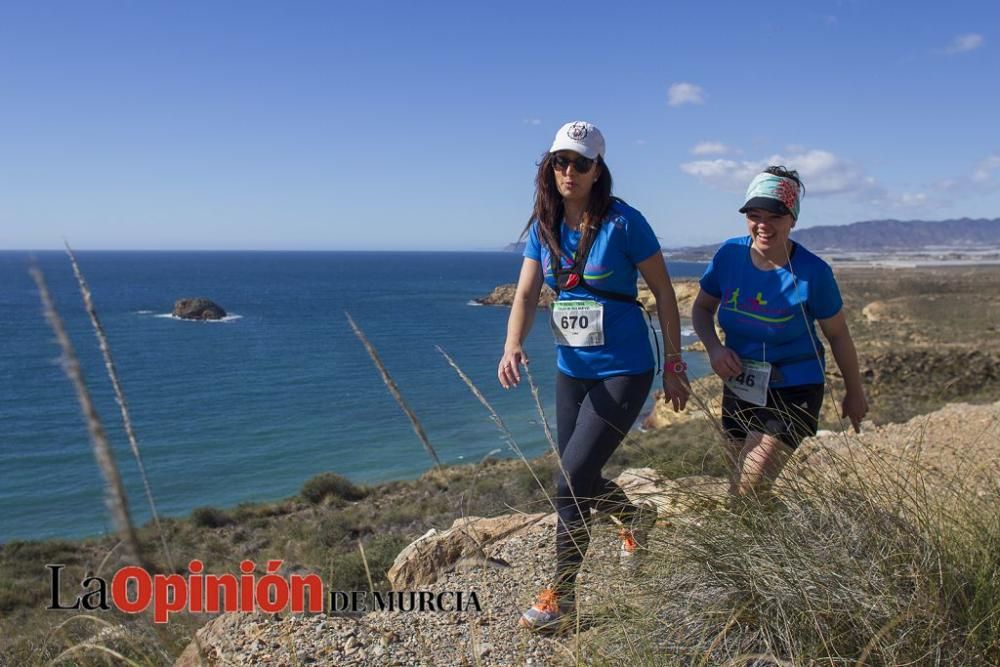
725,362
522,316
855,405
654,272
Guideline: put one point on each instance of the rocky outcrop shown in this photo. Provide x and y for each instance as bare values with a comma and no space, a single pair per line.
423,561
503,295
686,291
662,415
198,309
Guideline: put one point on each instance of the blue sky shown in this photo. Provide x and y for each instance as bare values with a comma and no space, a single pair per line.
417,125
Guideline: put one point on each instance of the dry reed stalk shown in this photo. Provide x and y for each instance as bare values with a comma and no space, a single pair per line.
489,408
552,443
109,364
541,412
368,572
394,390
84,646
508,436
115,496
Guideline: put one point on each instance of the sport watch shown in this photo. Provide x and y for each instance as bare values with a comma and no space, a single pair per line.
675,367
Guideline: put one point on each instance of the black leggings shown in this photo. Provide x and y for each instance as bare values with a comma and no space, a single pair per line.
592,418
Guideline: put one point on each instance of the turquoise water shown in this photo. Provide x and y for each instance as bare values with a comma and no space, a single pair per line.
248,409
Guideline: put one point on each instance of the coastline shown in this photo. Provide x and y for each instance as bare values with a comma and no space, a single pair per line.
919,334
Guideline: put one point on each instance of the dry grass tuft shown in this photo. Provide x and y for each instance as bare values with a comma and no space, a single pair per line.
864,557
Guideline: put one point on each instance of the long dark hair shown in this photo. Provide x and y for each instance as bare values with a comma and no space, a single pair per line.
549,209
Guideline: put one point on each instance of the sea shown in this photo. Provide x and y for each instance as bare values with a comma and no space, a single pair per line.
247,409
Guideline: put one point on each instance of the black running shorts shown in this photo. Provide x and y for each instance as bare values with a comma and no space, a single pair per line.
791,413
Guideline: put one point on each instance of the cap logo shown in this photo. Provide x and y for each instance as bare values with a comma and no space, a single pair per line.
577,132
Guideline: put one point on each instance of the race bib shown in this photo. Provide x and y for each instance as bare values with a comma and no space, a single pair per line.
751,384
578,323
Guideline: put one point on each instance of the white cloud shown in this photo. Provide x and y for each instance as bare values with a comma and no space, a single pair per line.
911,200
985,173
685,93
723,174
826,174
983,178
965,43
823,173
709,148
532,121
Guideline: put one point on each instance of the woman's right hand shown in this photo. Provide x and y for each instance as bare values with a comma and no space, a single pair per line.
725,362
509,369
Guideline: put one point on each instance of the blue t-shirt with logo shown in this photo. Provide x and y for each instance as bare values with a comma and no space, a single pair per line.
770,315
624,240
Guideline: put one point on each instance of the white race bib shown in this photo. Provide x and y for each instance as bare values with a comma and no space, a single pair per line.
578,323
751,384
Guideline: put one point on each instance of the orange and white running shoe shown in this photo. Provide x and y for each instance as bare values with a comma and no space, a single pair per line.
547,613
634,537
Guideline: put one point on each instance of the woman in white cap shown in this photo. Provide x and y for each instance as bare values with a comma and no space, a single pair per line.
769,291
590,247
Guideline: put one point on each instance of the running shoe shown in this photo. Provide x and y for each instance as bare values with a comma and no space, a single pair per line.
547,614
634,537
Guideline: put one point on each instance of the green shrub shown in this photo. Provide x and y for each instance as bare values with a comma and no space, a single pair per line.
210,517
380,552
331,485
337,527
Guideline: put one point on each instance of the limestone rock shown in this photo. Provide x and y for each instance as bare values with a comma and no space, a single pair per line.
671,497
503,295
686,291
709,387
435,552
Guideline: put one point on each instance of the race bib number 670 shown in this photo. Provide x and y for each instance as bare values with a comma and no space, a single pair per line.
578,323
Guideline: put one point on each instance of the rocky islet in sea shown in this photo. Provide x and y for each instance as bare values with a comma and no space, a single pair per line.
198,309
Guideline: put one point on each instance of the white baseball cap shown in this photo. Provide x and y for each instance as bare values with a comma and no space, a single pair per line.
579,136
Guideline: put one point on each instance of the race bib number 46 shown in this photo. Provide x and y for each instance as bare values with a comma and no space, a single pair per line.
751,384
578,323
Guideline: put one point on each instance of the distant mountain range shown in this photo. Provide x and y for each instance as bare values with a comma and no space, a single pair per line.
872,236
883,236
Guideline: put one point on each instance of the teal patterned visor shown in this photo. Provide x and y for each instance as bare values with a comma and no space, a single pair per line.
773,193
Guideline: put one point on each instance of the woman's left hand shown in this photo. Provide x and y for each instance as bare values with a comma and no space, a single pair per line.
676,390
855,407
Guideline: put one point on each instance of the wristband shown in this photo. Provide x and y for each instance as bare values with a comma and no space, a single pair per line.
675,367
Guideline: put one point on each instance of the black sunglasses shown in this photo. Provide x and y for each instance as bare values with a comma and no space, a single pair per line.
581,164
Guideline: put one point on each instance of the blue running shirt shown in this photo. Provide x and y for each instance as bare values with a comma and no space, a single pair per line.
624,240
770,315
